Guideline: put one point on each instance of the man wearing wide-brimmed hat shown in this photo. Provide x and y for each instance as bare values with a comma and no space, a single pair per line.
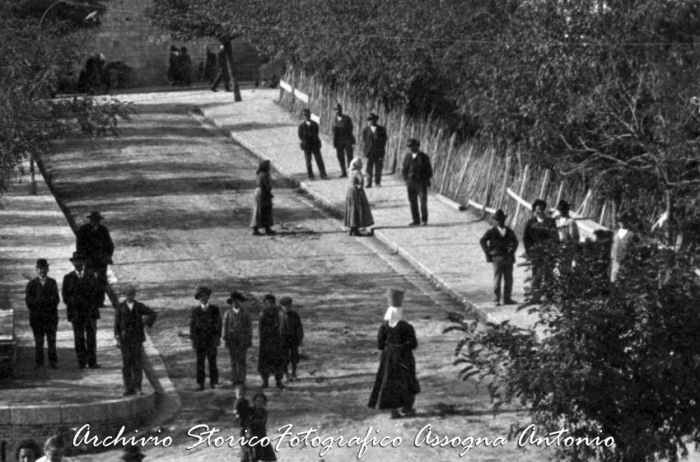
396,384
343,139
499,245
41,297
311,144
374,140
81,294
94,242
238,336
205,334
417,173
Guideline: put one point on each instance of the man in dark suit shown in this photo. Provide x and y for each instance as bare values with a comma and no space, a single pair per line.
311,144
540,231
271,357
205,334
223,71
129,332
499,245
343,139
417,173
42,302
292,336
374,140
81,293
94,242
238,336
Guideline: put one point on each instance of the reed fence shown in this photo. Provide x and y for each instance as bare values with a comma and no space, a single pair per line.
474,170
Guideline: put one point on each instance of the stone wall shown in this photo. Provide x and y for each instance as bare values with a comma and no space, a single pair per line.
127,35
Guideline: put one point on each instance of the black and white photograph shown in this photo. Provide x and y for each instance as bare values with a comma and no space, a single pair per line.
364,230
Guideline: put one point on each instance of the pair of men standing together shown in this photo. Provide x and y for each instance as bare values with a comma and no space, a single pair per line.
374,139
281,334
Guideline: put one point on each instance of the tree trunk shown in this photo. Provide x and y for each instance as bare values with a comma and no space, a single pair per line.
228,49
671,228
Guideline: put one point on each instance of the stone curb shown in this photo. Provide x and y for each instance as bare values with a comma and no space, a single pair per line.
472,308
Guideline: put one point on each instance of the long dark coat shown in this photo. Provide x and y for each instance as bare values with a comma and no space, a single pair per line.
374,142
396,382
42,302
95,243
262,207
256,427
81,296
129,325
271,358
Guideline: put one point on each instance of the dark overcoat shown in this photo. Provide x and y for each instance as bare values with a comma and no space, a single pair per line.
262,207
95,244
271,358
396,383
374,142
82,296
42,302
129,324
308,135
293,335
418,170
205,327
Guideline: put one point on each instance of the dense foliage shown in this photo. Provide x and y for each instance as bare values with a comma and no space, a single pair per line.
604,359
43,40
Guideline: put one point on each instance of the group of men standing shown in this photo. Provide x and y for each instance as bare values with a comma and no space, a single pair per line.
416,170
280,336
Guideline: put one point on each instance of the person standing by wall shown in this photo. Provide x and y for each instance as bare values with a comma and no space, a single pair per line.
41,297
374,138
417,173
343,139
81,293
205,335
311,144
129,333
499,245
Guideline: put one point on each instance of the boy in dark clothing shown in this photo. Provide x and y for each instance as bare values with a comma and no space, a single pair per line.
499,245
292,336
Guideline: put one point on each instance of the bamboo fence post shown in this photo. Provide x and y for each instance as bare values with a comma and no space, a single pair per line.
505,181
526,177
464,168
488,179
397,151
450,152
545,184
602,214
561,189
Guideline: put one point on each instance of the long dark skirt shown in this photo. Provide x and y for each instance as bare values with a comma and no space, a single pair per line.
262,210
357,211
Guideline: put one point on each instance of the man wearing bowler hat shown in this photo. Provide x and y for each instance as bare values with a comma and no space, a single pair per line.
311,144
238,336
95,244
417,173
81,294
374,140
129,333
42,302
343,139
205,334
499,245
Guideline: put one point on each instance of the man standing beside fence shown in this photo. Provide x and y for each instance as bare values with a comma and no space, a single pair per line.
311,145
417,173
499,245
343,139
374,140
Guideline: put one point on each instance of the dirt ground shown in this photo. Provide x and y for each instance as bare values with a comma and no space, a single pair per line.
177,196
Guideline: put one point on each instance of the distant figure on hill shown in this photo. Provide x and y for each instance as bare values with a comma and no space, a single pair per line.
42,302
374,138
173,65
210,67
417,173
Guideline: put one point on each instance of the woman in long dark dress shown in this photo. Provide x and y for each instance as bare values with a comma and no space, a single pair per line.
257,428
262,209
396,384
357,211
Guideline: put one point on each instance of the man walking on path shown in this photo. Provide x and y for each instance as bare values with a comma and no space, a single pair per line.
343,139
311,145
271,357
417,173
374,140
129,333
94,242
81,294
205,334
499,245
292,336
223,71
238,336
42,302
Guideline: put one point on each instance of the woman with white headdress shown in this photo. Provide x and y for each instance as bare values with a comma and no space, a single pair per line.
396,384
357,212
